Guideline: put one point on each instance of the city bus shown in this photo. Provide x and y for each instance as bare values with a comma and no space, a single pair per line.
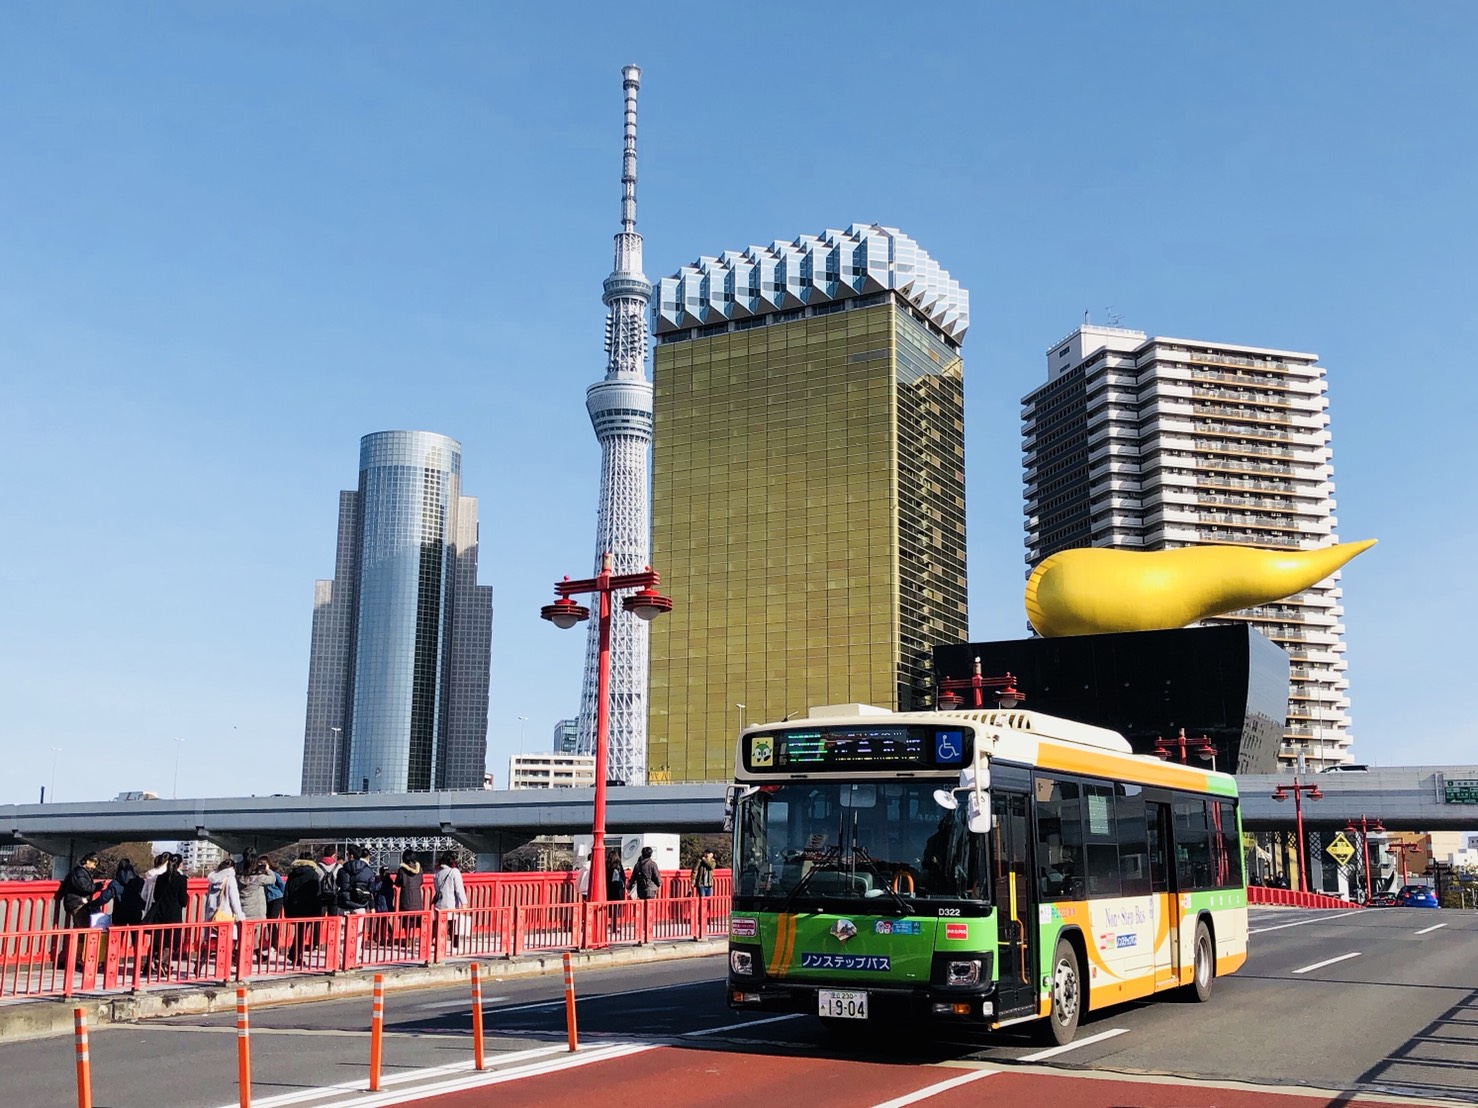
976,867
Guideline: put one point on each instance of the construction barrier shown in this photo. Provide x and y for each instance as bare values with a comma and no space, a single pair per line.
243,1048
84,1058
377,1032
478,1062
570,1002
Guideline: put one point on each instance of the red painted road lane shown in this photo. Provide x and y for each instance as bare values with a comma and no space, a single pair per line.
675,1077
671,1077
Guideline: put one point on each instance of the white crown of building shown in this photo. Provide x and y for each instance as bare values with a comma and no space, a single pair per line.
812,270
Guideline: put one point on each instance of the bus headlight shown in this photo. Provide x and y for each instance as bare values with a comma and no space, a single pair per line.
741,962
963,973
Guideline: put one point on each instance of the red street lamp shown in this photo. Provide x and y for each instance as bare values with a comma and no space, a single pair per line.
1203,748
1405,849
1281,794
1364,831
646,604
1007,695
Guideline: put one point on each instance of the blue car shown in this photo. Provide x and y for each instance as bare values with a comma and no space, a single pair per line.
1416,896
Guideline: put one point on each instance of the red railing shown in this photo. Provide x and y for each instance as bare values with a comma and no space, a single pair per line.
28,905
1292,898
43,962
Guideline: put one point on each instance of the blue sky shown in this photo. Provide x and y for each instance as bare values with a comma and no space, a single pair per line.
236,237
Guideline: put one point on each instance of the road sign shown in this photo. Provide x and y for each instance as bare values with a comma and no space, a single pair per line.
1340,849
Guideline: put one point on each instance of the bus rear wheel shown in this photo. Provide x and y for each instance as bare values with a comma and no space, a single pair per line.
1203,966
1067,994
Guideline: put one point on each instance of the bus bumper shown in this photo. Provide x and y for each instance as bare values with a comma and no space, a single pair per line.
912,1003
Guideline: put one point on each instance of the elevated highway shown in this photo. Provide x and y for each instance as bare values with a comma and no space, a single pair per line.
1412,798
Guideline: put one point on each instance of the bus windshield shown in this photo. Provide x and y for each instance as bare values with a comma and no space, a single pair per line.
814,843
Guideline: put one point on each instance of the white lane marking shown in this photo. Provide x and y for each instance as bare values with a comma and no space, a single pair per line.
1053,1052
362,1085
471,1081
1300,923
739,1026
460,1002
1328,962
496,1009
935,1090
1429,930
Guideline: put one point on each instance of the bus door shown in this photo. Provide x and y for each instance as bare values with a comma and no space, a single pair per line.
1164,896
1015,900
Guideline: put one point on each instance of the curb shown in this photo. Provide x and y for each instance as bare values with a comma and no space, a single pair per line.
43,1018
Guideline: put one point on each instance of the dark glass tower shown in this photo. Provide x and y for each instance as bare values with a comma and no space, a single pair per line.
398,672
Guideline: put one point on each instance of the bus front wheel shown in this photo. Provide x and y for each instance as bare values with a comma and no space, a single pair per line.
1067,994
1203,968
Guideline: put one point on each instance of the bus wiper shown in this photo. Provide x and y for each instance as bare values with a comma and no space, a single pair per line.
903,906
827,855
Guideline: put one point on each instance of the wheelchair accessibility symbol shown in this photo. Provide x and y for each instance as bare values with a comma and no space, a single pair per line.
949,747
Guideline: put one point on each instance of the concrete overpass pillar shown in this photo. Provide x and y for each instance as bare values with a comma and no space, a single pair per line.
490,846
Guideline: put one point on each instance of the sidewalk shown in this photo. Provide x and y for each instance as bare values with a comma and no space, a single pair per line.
43,1017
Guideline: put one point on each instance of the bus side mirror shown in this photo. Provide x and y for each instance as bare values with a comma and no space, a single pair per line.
976,784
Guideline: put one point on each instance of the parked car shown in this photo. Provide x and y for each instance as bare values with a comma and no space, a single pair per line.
1416,896
1382,900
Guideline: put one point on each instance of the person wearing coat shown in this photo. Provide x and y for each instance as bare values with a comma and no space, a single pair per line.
253,889
646,877
171,898
222,891
451,893
411,883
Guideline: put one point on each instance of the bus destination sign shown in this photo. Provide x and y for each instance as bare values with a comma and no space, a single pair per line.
858,747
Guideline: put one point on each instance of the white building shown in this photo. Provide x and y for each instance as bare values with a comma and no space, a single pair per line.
1148,443
200,856
551,771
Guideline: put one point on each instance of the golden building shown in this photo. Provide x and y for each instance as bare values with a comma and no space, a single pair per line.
808,513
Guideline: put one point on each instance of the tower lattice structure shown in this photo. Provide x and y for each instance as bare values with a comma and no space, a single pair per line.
620,409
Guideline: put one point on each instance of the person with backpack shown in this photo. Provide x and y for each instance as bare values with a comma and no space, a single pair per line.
356,883
328,883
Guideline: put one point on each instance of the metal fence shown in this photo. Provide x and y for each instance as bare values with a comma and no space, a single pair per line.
68,962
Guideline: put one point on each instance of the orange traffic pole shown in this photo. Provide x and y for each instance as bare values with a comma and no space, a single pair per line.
570,1001
377,1032
84,1063
243,1048
477,1059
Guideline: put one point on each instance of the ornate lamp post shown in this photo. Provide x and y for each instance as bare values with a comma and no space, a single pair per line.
1203,748
1364,831
646,604
1280,794
1405,849
1006,694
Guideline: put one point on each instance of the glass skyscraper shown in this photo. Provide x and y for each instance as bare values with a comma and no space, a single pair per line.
402,636
808,512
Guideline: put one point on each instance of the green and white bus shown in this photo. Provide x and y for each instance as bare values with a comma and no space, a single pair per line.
982,867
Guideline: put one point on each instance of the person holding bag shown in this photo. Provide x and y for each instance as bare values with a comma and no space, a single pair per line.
223,895
451,893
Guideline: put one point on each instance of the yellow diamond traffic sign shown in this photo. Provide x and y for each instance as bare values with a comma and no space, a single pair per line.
1340,849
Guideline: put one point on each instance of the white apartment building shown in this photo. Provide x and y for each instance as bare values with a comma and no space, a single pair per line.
551,771
1153,443
200,856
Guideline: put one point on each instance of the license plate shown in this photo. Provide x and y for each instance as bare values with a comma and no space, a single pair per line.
842,1004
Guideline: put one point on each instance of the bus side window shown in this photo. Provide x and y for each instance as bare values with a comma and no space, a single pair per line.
1192,844
1059,838
1134,860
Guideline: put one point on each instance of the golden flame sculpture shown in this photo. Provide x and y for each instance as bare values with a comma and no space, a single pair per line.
1092,590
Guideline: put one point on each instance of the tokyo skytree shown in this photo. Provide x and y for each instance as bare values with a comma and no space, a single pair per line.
621,410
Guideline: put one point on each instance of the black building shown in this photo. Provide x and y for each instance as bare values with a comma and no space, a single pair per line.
1225,682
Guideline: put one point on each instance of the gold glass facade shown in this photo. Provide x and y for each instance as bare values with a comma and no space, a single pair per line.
808,520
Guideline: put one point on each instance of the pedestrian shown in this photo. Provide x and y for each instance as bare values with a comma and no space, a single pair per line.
615,876
356,880
151,879
254,889
384,890
72,903
451,894
274,891
301,900
328,883
222,893
410,881
702,874
129,908
111,895
646,878
171,898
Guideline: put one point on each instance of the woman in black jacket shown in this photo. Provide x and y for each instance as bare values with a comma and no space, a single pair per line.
171,898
